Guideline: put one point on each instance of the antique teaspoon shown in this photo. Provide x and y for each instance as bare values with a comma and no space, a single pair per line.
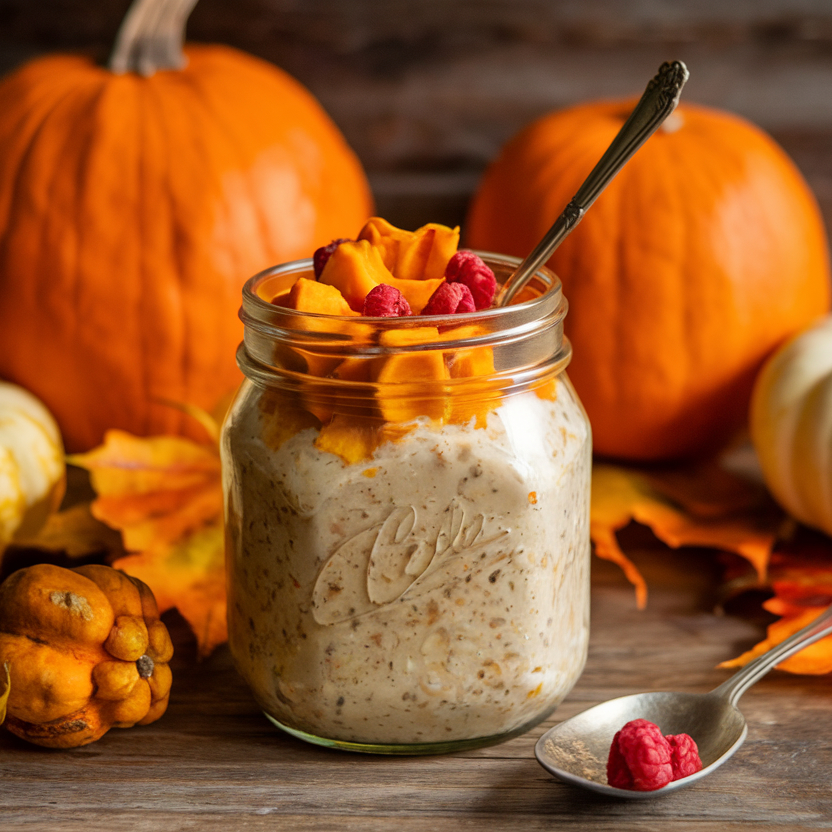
576,750
655,105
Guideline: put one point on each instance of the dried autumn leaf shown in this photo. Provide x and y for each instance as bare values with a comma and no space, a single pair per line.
615,497
801,579
164,495
189,575
75,532
701,505
816,659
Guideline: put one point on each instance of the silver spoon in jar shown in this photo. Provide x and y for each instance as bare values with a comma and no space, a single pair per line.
576,750
655,105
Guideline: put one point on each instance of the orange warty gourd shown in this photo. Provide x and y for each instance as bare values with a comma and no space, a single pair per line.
86,652
135,200
703,255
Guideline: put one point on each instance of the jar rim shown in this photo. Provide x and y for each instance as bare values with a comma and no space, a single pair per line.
259,312
528,333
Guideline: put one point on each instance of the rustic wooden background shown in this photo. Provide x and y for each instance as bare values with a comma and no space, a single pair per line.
427,91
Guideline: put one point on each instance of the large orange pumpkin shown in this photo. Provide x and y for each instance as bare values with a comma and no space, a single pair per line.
702,256
133,206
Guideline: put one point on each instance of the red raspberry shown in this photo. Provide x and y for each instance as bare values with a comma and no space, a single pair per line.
450,298
639,758
684,755
468,268
323,254
385,301
618,774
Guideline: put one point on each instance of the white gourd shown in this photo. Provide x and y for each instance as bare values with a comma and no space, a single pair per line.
791,425
32,466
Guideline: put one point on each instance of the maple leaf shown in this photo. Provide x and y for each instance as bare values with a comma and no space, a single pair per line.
164,495
696,505
800,577
74,532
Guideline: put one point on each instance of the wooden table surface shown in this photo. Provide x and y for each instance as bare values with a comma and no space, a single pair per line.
214,762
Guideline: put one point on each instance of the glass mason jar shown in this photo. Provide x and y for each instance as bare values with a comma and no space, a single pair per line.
407,516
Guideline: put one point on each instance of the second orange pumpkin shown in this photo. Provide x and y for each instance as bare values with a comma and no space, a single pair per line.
704,254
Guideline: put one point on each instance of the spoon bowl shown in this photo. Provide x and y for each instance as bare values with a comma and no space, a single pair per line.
577,749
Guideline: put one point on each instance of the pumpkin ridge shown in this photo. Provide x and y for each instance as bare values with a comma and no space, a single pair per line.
25,138
64,247
233,140
174,361
102,205
106,185
681,354
283,124
58,643
82,155
25,291
692,326
20,166
309,113
204,113
598,237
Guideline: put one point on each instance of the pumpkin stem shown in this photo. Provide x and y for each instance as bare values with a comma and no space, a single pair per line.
151,37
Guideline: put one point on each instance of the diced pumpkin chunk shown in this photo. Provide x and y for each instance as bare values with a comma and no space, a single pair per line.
473,363
408,337
284,420
351,439
357,440
354,268
420,366
413,377
412,255
417,292
311,296
308,295
479,396
548,390
324,406
353,369
385,238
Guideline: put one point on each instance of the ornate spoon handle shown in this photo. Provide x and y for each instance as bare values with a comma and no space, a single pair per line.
655,105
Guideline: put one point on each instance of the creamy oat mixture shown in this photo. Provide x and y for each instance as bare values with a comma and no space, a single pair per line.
436,592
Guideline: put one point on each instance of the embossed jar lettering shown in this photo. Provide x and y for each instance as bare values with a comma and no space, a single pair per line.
388,564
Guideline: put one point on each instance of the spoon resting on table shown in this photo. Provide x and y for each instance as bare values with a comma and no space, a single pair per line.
577,749
655,105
